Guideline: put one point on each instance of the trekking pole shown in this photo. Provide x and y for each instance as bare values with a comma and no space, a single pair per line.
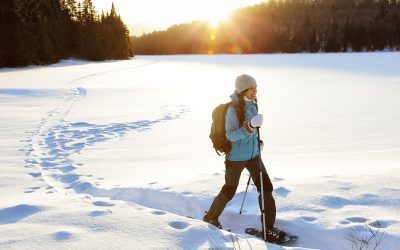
245,193
262,185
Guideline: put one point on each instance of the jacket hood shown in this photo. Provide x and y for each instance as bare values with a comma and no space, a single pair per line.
235,97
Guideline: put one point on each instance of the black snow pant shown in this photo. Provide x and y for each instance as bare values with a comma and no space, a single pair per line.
232,176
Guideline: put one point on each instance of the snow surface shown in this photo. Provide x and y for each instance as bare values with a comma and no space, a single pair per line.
116,154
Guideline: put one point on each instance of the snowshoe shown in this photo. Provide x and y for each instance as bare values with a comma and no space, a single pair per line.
274,236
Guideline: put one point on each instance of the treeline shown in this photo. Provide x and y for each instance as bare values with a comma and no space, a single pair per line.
286,26
45,31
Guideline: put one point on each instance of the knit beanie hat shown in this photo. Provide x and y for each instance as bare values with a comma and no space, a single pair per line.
244,82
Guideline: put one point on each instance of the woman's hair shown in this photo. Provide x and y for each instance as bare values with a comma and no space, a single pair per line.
241,108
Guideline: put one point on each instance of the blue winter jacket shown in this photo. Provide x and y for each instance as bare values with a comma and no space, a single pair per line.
244,145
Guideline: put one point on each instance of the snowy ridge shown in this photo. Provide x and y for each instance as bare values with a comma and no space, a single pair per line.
158,199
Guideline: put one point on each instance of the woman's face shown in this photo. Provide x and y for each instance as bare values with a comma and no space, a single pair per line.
251,93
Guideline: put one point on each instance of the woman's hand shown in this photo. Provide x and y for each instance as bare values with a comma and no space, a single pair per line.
256,121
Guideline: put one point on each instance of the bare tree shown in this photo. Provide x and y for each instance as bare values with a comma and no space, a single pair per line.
365,237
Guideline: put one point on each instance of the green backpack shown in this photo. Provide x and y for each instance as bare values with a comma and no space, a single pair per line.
218,133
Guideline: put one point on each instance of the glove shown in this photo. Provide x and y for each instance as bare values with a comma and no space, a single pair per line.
256,121
247,127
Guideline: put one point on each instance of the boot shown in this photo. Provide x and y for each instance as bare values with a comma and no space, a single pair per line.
211,221
274,235
216,209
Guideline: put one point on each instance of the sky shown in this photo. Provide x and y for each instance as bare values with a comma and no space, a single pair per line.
150,15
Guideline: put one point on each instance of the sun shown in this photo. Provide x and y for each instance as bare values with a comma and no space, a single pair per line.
215,20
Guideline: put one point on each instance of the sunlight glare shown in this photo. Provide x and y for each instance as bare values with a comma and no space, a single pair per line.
215,21
151,15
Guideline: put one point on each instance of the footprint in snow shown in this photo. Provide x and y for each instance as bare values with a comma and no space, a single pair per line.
99,213
62,235
61,141
14,214
35,174
178,225
335,201
47,164
32,189
102,204
380,224
308,218
67,169
158,212
68,178
329,176
281,191
357,219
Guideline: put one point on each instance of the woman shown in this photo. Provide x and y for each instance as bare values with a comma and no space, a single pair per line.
241,132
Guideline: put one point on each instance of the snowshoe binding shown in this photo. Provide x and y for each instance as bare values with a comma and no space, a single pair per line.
274,236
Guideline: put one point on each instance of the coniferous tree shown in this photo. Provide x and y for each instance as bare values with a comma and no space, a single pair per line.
287,26
43,32
16,32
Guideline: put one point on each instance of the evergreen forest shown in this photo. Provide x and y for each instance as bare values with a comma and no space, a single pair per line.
285,26
45,31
